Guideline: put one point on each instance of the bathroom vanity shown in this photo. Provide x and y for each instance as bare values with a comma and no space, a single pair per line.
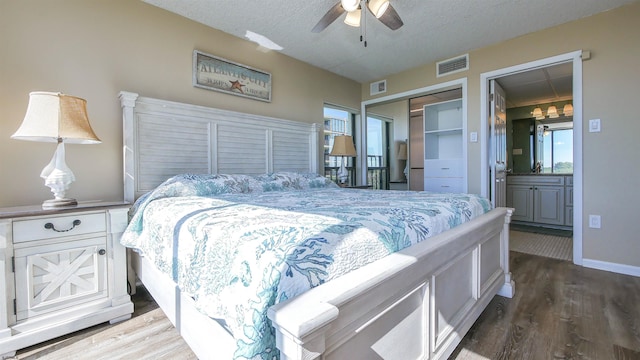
541,199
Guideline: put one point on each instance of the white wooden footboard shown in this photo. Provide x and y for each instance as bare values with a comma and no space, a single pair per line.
414,304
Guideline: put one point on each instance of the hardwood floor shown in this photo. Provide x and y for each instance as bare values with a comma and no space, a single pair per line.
147,335
560,311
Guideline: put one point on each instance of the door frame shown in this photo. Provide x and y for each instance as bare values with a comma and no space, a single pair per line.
361,126
574,57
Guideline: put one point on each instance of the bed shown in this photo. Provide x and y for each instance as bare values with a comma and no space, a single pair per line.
393,287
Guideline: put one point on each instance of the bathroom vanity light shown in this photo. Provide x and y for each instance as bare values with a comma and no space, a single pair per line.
537,113
552,112
567,110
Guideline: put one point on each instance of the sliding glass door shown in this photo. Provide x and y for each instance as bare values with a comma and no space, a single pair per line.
337,121
378,152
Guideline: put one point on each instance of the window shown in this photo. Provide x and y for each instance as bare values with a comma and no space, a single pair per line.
557,149
377,154
337,121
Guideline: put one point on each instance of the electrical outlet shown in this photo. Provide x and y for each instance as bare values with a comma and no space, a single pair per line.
594,221
594,125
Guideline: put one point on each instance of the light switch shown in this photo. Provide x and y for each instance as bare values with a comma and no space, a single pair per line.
594,125
473,137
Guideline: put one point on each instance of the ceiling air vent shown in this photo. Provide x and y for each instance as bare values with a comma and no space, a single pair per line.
453,65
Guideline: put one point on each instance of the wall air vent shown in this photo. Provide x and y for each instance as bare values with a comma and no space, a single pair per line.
378,87
453,65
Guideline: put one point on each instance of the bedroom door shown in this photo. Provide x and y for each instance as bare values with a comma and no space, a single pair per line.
498,144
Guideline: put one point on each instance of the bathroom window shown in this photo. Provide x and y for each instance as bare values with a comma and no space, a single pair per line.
556,142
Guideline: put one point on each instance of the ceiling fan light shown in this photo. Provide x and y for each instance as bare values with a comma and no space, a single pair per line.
353,18
552,112
567,110
350,5
378,7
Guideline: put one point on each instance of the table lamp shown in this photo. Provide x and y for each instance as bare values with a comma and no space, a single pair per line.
343,146
402,155
59,118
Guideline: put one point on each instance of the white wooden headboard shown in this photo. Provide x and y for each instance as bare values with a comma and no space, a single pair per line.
164,138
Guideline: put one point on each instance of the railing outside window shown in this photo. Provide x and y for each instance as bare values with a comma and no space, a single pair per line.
377,175
340,121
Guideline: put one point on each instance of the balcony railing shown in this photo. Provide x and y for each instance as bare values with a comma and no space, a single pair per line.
377,175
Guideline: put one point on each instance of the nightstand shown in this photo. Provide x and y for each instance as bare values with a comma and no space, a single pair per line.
62,270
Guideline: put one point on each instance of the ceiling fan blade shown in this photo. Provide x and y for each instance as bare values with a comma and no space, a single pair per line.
391,19
329,18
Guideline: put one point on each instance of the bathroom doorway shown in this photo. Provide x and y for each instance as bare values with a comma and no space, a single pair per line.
562,76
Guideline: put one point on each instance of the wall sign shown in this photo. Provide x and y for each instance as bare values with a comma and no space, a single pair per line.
215,73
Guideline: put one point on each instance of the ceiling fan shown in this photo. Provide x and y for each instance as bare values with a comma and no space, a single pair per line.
381,9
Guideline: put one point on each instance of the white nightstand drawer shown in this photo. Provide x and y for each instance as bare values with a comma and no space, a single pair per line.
54,227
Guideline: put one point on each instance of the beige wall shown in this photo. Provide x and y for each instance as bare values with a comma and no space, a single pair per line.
611,167
94,49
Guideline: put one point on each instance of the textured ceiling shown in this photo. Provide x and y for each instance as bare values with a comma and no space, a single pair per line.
432,31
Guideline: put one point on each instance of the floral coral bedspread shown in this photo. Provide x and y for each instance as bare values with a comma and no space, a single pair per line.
238,244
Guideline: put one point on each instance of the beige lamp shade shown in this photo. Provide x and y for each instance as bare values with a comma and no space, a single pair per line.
55,116
343,146
552,112
402,152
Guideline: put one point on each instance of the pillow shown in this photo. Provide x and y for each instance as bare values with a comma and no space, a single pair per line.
283,181
216,184
195,185
206,185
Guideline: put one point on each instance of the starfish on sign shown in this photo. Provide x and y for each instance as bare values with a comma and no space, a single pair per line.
236,85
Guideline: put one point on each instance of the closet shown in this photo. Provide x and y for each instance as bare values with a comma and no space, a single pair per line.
436,136
443,156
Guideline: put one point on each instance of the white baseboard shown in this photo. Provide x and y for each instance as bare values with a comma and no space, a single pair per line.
613,267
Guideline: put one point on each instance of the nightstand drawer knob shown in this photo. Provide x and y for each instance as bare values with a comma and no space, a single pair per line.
52,227
102,251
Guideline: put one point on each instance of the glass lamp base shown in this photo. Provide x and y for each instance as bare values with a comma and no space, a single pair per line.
343,174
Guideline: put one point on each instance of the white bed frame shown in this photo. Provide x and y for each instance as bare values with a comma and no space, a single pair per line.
414,304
